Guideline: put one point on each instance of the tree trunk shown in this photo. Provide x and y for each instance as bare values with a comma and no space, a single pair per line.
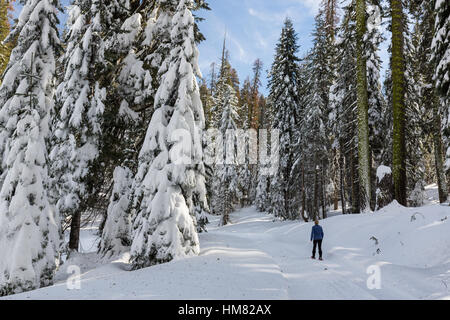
350,185
342,182
287,211
336,198
74,240
226,211
324,198
363,107
305,218
355,184
373,182
398,102
316,192
335,169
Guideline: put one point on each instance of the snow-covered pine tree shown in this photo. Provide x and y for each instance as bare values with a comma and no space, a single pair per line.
344,92
429,94
227,173
415,97
136,45
283,82
116,235
377,107
319,68
157,45
343,100
313,140
215,147
416,113
253,121
441,58
425,109
441,48
29,238
165,226
77,123
129,102
262,196
364,163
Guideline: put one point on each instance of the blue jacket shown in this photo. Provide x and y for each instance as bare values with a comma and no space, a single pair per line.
316,233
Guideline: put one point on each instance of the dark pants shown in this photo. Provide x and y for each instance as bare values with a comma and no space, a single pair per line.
317,242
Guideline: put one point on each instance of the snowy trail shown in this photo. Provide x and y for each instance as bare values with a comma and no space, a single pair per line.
256,257
290,250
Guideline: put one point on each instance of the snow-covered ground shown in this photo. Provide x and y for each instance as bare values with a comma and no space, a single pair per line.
258,257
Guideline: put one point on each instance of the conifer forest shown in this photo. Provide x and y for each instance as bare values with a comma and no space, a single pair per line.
184,152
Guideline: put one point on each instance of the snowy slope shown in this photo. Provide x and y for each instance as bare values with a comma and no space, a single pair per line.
259,258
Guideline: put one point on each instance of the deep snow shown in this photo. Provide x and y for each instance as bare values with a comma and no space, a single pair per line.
259,257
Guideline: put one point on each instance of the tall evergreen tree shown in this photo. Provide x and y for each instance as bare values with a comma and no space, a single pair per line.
130,104
428,101
343,99
320,70
165,226
416,114
441,58
29,238
377,107
138,50
441,48
227,167
398,66
283,82
313,142
363,106
262,192
157,40
227,174
80,105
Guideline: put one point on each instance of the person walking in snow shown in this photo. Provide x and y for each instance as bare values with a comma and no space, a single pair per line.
316,238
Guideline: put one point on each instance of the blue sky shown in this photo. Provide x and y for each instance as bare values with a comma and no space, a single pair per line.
253,28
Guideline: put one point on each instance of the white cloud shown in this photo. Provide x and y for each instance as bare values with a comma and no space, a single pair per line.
242,53
312,5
